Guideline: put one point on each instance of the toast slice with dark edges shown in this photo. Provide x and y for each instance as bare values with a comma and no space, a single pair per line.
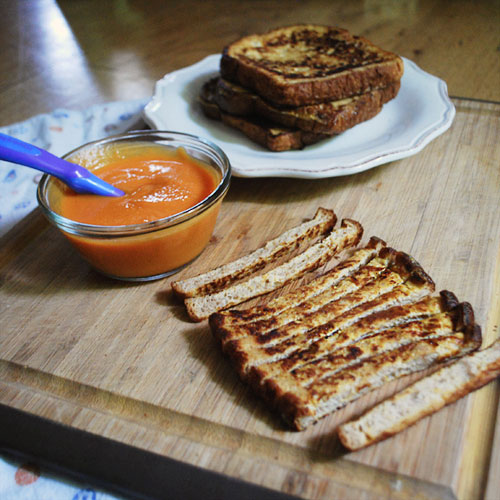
308,64
346,236
371,319
331,118
223,276
264,132
422,398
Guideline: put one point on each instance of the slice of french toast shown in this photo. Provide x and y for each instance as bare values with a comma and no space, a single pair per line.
331,118
308,64
270,135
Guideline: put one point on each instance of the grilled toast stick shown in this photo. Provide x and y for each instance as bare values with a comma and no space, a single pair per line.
222,323
348,285
311,376
422,398
303,406
322,222
246,354
431,327
349,234
369,325
402,287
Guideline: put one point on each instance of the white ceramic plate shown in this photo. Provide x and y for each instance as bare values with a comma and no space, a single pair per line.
420,112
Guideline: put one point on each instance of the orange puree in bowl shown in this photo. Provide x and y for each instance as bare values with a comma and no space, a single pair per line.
157,183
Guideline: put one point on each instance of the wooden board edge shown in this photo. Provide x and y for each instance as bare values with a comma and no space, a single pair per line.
482,438
303,473
116,467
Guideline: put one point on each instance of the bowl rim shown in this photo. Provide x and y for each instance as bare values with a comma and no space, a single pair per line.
94,230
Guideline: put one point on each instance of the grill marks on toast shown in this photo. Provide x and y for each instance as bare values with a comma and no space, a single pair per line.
279,343
306,395
316,303
340,338
346,386
306,64
222,322
348,235
322,222
368,321
422,398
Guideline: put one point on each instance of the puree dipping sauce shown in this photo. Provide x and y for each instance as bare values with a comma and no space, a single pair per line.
158,182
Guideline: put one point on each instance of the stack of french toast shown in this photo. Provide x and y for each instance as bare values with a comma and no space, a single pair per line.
297,85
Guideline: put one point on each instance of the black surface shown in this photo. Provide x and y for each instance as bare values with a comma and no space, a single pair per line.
118,468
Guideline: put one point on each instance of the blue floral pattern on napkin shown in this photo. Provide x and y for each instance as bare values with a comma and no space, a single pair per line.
59,132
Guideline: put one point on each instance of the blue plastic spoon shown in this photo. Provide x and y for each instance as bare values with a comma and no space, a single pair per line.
75,176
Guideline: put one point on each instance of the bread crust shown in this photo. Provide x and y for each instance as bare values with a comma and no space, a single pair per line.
423,398
270,135
330,118
322,222
309,64
349,234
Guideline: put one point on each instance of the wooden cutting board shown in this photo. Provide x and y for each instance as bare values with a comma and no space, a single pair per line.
123,362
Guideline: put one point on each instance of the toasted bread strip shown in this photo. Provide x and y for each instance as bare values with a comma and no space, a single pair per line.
304,406
222,322
382,294
386,340
347,286
422,398
313,374
322,222
369,325
372,373
333,117
347,235
375,288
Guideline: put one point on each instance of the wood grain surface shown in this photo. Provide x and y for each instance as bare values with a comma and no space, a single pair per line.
123,360
76,54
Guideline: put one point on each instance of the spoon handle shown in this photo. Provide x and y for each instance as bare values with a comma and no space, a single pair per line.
75,176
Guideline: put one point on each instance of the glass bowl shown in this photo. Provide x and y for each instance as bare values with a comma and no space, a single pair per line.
150,250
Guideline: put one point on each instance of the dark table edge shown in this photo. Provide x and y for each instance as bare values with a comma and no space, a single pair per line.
116,467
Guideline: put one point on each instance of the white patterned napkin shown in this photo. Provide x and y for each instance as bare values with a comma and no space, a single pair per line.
58,132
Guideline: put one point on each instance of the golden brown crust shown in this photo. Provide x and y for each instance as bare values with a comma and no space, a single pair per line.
422,398
270,135
221,277
331,118
290,65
